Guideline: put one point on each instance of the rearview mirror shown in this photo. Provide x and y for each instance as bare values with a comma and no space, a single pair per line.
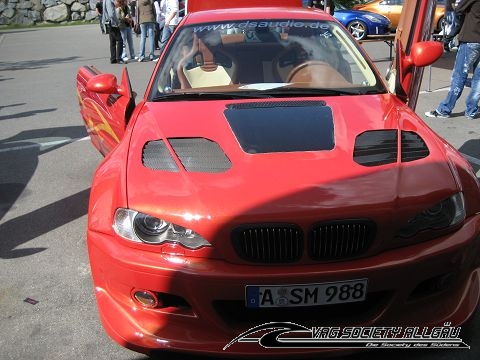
103,83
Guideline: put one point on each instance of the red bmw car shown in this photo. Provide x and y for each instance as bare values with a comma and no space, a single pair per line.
269,174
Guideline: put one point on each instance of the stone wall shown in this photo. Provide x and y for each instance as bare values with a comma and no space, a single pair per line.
30,12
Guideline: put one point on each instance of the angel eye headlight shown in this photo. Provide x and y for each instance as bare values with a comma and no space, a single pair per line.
149,225
135,226
443,215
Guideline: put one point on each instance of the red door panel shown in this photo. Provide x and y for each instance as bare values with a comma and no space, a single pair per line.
105,106
416,23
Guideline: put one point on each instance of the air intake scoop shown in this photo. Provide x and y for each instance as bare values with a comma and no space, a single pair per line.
267,127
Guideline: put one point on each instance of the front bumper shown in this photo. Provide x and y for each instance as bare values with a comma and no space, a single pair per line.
427,284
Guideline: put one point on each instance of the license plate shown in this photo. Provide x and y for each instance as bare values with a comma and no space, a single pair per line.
305,294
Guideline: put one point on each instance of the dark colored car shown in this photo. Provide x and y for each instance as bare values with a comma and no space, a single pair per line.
362,24
359,23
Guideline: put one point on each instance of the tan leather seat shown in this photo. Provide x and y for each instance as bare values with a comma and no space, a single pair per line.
205,72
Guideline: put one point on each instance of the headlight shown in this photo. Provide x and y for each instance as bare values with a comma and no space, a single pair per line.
373,19
138,227
445,214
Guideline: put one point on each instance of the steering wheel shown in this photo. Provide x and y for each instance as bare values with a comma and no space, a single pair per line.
305,71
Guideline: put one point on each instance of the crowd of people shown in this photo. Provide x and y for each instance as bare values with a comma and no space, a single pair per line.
154,20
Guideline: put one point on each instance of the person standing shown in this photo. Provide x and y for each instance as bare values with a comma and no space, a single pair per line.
116,42
160,20
99,9
451,26
125,25
326,5
171,21
133,11
468,56
146,19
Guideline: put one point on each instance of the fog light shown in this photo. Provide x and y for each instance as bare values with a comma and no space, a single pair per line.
146,298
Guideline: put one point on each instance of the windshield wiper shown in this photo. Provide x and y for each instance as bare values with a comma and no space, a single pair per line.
289,91
211,96
259,94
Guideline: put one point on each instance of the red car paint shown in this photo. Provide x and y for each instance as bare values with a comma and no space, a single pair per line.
425,279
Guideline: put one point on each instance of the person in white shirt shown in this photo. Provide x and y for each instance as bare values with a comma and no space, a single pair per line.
171,21
160,20
160,12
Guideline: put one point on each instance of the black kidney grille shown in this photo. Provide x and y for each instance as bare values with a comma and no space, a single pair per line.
340,240
413,147
269,243
273,244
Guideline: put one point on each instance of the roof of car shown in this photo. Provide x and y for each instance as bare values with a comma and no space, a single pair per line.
200,5
255,13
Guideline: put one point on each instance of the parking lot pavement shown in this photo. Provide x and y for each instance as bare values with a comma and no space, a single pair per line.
47,306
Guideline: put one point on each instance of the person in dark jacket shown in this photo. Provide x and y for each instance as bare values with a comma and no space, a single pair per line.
451,26
99,9
327,5
468,57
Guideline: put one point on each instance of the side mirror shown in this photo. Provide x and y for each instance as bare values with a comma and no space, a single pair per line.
423,54
103,83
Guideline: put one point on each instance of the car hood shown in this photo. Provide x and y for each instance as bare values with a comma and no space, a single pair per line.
242,159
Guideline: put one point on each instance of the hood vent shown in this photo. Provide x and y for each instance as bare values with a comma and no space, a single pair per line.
156,156
195,154
276,104
413,147
380,147
200,155
288,126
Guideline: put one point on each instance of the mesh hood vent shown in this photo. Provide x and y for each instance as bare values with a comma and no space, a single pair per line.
195,154
276,104
200,155
156,156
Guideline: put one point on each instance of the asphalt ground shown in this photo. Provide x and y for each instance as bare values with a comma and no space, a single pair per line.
47,305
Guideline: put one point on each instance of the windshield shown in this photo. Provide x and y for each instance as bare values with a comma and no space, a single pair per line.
256,56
